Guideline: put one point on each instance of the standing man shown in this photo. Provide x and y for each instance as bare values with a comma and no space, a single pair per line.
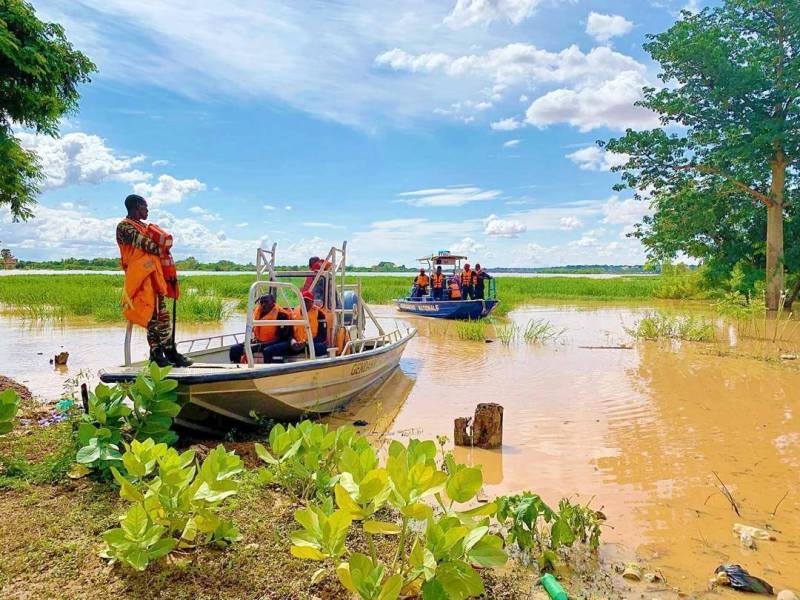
478,278
145,287
466,283
421,282
437,283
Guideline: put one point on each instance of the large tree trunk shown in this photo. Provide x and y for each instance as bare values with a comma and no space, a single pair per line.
775,234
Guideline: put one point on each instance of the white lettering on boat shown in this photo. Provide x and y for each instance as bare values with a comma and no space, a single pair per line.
415,306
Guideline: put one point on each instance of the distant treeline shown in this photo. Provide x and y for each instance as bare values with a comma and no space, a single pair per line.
187,264
581,269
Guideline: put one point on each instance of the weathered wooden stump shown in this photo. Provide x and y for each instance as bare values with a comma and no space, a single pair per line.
460,435
61,358
487,427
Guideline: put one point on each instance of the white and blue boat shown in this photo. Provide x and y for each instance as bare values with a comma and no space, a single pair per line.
447,307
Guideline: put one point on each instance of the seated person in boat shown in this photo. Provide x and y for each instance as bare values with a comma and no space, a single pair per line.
271,340
421,282
455,288
437,283
479,277
318,319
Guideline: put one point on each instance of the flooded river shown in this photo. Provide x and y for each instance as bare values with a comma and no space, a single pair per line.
640,429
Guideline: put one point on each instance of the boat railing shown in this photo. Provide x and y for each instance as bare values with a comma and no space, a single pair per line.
212,342
254,293
357,346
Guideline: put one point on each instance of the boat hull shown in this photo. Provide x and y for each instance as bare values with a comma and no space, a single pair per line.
213,394
448,309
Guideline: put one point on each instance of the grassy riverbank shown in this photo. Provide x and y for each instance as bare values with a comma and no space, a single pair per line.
206,298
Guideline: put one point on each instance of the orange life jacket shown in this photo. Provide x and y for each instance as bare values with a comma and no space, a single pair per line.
299,332
438,280
422,280
144,281
466,277
455,291
267,333
164,241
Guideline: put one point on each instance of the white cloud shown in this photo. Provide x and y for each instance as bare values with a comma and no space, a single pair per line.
568,223
241,225
509,124
604,27
168,190
586,241
594,158
451,196
269,207
625,212
524,98
67,205
204,214
503,228
466,246
610,104
693,6
519,63
510,143
474,12
80,158
288,207
160,163
321,224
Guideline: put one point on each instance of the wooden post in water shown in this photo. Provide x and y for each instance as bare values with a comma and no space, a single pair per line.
487,427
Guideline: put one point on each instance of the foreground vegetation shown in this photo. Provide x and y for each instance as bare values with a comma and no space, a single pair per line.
204,523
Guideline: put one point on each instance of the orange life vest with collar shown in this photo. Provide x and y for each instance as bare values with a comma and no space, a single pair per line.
144,281
455,291
438,280
422,280
299,332
466,277
267,333
164,241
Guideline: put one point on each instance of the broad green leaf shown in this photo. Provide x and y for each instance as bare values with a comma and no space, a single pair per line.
381,528
77,470
161,548
264,454
488,552
483,510
345,502
561,534
434,590
474,536
459,580
343,573
307,552
390,590
137,558
88,454
135,522
418,511
127,491
464,484
6,426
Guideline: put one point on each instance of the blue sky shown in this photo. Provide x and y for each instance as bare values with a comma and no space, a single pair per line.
404,127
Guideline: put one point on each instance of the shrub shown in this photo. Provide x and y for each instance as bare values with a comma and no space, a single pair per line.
177,507
9,405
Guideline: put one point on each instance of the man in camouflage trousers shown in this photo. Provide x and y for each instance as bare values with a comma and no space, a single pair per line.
159,329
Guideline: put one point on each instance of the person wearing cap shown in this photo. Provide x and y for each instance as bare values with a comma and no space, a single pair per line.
270,340
317,319
315,264
479,276
145,287
421,282
466,283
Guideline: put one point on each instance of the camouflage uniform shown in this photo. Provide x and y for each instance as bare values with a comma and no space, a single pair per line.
159,329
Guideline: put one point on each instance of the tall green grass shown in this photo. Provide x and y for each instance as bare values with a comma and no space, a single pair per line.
203,296
473,331
662,326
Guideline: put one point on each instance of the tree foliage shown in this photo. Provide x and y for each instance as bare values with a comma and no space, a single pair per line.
731,79
39,76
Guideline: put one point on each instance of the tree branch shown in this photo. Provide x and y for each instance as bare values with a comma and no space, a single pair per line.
766,200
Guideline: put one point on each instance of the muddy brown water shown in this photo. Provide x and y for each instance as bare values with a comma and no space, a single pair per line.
639,431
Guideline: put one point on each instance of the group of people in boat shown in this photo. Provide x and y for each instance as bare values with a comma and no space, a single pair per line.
469,284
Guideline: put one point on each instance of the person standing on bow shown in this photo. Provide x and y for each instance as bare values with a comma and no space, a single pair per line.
145,287
466,283
479,276
437,283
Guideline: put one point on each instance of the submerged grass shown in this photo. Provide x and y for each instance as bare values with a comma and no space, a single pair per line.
204,296
473,331
538,331
662,326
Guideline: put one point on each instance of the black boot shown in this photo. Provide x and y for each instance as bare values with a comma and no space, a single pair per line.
158,356
177,359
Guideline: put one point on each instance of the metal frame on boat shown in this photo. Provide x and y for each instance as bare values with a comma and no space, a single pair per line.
427,306
214,392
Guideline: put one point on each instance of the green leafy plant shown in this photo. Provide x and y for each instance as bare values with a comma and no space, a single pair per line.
9,405
538,529
142,410
305,459
444,547
662,326
175,504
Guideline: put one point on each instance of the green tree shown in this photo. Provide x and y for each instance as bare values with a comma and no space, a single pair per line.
732,87
39,76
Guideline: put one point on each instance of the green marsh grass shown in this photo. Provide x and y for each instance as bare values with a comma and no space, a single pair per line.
662,326
204,296
539,331
473,331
